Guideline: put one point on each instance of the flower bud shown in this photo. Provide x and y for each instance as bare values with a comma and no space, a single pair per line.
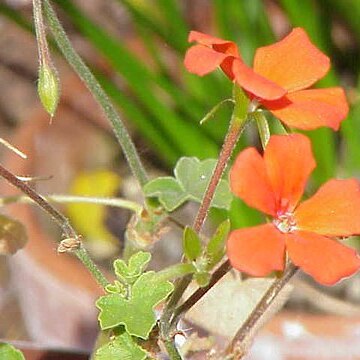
48,88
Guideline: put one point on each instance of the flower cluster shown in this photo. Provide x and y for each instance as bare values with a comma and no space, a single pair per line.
307,233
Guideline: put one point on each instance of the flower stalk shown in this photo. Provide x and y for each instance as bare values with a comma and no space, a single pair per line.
98,93
237,125
48,84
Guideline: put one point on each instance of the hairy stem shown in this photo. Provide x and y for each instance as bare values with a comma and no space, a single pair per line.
64,199
97,91
60,219
43,50
237,347
237,124
172,350
175,271
235,130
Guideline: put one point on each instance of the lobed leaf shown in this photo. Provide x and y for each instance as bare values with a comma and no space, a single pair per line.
136,312
136,266
170,193
192,177
121,347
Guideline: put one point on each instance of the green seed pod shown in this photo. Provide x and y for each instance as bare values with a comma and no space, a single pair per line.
48,89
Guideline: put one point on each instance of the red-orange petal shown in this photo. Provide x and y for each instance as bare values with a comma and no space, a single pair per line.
220,45
289,162
205,39
293,63
257,85
201,60
311,109
326,260
249,181
333,211
256,250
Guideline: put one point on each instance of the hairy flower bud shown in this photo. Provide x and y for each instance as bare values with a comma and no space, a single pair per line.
48,89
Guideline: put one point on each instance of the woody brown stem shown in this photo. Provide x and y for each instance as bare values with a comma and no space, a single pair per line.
221,271
237,347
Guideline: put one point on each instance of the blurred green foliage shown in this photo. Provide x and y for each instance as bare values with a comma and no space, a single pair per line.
166,105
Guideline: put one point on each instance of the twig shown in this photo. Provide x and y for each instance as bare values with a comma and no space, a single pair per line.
60,219
237,348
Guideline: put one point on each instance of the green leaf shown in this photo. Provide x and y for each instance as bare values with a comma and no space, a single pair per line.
135,313
12,235
8,352
137,264
194,175
215,248
121,347
191,179
171,195
191,244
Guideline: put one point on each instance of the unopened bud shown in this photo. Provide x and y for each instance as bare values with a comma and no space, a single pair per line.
48,88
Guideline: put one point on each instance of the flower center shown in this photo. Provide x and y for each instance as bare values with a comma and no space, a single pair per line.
285,223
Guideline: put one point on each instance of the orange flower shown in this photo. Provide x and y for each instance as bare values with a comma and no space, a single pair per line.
281,74
274,183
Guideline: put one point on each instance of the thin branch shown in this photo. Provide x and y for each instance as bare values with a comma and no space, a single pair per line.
43,49
237,347
60,219
234,132
218,274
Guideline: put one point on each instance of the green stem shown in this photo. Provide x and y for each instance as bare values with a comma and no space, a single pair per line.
60,219
85,258
99,94
172,350
64,199
43,49
175,271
